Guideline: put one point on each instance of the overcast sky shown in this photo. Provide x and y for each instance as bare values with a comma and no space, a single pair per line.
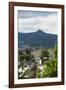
31,21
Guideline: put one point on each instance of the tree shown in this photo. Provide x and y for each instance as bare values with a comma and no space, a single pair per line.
44,53
50,68
38,73
28,51
55,51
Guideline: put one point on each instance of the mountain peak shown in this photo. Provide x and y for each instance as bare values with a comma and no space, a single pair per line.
40,31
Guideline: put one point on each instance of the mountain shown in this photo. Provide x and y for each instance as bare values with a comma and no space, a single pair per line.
37,39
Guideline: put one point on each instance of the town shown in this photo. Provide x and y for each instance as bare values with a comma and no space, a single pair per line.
37,62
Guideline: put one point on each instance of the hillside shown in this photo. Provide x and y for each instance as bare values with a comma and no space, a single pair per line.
37,39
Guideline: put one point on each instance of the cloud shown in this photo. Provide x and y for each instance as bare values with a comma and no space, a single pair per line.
28,13
48,24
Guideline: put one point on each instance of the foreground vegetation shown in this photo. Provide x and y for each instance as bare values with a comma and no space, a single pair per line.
45,66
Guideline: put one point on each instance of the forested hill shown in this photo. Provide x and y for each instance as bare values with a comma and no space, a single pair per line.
37,39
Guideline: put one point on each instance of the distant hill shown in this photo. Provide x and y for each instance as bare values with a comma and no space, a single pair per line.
37,39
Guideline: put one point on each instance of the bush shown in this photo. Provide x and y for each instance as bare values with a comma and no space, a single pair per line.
50,69
38,75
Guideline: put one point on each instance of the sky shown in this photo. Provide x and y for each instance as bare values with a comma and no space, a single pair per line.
32,21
